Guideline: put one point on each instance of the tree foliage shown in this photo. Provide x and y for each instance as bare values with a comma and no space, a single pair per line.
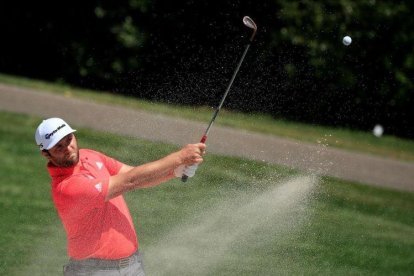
185,51
368,82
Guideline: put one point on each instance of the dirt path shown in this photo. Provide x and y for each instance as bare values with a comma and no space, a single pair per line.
315,158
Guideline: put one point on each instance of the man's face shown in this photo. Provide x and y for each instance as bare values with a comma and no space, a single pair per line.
65,153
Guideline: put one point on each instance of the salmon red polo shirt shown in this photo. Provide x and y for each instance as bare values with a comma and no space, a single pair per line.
94,228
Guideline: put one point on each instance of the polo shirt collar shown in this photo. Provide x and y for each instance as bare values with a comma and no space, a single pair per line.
55,171
61,171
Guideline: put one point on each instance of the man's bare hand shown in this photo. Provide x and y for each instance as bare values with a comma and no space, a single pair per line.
192,154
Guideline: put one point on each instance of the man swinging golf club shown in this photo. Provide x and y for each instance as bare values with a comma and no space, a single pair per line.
87,190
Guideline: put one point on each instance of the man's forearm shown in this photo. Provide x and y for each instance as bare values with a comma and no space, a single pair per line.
147,175
156,172
152,173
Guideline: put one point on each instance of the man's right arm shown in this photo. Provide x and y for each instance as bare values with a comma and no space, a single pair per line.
154,173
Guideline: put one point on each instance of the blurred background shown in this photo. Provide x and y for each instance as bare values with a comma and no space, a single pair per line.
184,52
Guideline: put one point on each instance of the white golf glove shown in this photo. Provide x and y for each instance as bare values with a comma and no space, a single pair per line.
185,170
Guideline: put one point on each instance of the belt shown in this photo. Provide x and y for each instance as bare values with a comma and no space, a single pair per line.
103,263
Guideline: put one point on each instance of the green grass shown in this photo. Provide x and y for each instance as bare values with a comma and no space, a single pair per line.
345,229
387,146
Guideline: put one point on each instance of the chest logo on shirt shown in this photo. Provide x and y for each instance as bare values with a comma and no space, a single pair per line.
99,187
99,165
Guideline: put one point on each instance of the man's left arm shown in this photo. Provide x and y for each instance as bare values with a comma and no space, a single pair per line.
125,168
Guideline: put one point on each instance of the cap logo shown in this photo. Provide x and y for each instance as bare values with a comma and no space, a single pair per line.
49,135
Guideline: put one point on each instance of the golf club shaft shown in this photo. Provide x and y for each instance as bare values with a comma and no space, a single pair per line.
204,138
227,92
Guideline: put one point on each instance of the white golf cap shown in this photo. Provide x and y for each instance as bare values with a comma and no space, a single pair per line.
50,132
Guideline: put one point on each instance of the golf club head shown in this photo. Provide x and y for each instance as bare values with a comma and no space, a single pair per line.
248,22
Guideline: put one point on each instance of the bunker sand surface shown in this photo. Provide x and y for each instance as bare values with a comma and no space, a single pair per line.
314,158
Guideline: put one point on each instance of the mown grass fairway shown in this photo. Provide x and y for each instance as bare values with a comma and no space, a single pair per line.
235,217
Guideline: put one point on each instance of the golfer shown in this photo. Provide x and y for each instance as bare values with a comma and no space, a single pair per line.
87,188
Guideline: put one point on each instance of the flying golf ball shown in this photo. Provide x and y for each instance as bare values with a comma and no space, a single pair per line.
347,40
378,130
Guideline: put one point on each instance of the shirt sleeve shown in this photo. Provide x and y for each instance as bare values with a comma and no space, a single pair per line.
84,193
112,165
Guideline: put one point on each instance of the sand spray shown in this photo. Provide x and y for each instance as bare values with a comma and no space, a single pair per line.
208,239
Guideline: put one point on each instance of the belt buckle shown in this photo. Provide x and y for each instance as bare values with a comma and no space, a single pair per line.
123,263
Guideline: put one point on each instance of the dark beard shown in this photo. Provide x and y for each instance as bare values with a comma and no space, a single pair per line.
69,162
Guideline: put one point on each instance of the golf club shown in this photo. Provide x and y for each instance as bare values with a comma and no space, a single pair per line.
248,22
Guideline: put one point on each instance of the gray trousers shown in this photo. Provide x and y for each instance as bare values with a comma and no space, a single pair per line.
132,266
